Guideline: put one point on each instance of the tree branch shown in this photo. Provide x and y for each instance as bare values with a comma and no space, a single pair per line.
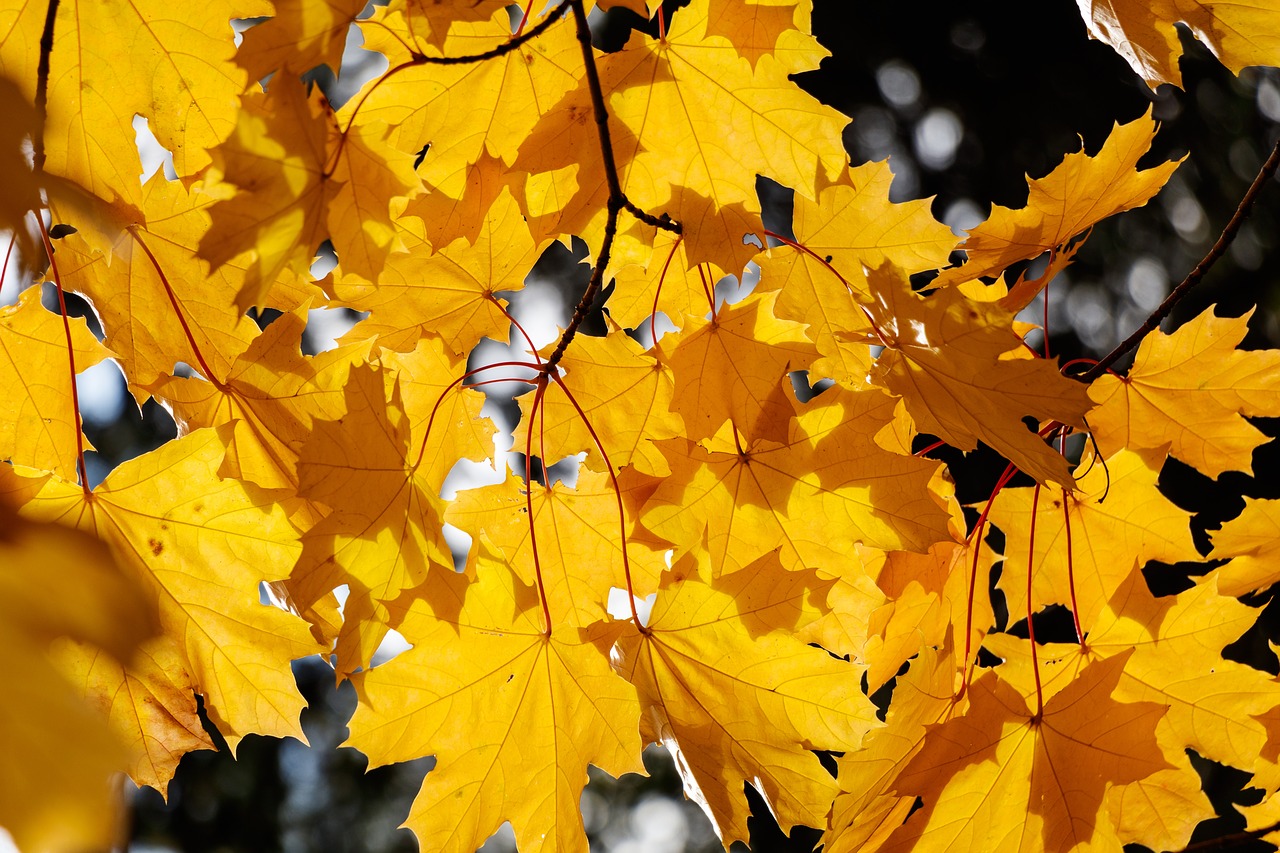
1196,275
618,200
1235,839
42,85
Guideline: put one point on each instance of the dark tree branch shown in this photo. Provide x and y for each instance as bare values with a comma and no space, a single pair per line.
618,200
1235,839
1196,275
42,85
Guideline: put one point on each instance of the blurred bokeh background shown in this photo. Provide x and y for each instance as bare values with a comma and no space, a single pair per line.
965,99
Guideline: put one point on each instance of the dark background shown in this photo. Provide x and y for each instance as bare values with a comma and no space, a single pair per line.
1017,84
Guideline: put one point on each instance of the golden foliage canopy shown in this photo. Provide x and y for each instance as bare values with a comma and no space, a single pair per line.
779,556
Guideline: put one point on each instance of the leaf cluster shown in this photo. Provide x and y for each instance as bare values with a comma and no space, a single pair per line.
736,567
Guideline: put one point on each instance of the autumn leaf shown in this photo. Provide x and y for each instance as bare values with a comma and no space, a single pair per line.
867,809
1075,196
384,532
449,293
298,37
200,546
728,368
1190,392
710,683
780,30
721,122
271,395
512,711
740,499
180,77
1144,34
611,391
1249,540
956,364
571,540
1087,542
158,303
36,428
462,111
1022,780
299,181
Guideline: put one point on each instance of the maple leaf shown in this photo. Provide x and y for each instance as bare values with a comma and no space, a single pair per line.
720,127
780,30
187,86
384,532
1189,391
754,498
1250,541
513,712
709,683
1143,33
955,363
272,394
1028,781
612,391
199,545
867,808
462,111
298,37
729,368
157,303
1079,193
1087,542
299,181
449,293
36,428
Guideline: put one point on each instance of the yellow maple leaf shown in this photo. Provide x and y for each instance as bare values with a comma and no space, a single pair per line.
739,700
1189,392
953,361
1143,32
780,30
36,424
449,293
382,483
272,394
461,111
1250,540
179,75
722,123
300,36
569,538
512,713
730,367
158,303
867,809
297,181
1076,195
618,392
1005,778
199,545
813,496
1116,517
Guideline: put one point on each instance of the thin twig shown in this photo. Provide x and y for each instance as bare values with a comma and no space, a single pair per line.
665,222
506,47
617,201
1196,275
1235,839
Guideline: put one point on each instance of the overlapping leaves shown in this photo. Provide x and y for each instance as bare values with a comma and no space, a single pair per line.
795,547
